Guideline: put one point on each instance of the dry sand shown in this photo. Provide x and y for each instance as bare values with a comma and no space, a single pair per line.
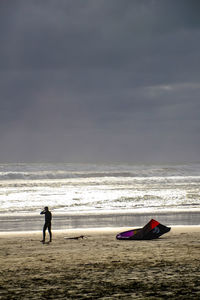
100,267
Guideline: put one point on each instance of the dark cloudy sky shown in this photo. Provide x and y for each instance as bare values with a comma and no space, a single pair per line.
99,80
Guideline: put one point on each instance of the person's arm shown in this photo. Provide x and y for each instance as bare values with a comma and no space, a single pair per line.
42,212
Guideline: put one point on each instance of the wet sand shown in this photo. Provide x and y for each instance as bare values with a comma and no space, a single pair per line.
99,266
34,222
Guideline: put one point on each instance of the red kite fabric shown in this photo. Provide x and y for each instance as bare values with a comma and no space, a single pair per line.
151,230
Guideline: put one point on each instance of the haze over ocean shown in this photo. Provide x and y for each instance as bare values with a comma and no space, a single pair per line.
99,81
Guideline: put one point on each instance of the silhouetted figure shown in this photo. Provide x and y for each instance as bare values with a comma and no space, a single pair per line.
47,224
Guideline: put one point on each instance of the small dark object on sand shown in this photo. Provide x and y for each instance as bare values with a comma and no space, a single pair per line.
75,238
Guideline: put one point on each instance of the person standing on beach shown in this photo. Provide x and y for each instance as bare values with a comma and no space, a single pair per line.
47,224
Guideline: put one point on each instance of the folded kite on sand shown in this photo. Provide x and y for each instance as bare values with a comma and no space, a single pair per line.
151,230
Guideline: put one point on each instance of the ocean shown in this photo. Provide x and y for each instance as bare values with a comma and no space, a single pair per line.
98,195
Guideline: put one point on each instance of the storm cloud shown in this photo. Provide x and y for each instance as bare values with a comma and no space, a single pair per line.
99,81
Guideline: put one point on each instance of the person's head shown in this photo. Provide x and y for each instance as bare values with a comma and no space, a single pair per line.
46,208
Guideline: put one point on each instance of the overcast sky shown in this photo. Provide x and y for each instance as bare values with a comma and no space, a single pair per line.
99,80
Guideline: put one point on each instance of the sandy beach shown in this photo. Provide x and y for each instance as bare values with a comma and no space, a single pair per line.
99,266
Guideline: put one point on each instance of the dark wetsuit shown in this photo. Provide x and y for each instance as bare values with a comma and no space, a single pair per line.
47,224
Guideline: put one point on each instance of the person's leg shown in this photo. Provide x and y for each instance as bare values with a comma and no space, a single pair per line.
50,233
44,232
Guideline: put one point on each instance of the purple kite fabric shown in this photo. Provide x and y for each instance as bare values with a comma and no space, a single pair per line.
151,230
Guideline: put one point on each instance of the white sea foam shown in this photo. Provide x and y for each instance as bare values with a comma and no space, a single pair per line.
79,188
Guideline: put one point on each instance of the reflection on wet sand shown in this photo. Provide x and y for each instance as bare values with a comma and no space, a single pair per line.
62,222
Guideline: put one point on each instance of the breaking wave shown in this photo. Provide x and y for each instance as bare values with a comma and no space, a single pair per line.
80,188
60,175
67,171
